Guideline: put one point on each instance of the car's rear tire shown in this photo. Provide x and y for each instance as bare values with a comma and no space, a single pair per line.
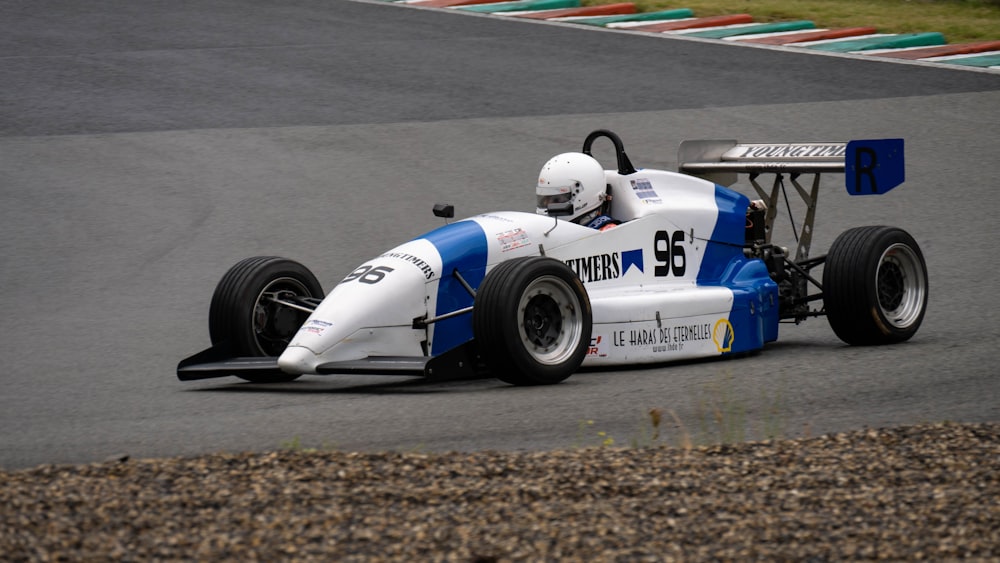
875,286
532,321
243,316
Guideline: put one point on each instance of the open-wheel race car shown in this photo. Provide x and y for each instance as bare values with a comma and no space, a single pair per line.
687,270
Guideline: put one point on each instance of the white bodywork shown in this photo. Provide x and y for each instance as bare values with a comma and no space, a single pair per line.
655,288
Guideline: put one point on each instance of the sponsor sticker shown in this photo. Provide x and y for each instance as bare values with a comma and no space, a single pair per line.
316,326
500,218
606,266
644,190
803,150
415,260
664,339
632,258
723,335
513,239
598,347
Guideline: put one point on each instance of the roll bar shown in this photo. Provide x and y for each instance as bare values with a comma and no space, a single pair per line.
624,165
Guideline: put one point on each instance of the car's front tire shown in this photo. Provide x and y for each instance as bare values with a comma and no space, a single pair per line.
245,316
532,321
875,286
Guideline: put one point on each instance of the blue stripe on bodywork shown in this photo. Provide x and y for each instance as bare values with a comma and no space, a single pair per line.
754,315
728,236
462,247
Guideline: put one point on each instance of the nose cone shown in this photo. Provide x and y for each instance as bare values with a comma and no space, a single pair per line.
298,359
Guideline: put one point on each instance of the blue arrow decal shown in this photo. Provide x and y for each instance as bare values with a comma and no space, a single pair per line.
632,258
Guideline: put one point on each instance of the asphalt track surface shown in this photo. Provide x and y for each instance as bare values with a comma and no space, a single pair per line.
145,146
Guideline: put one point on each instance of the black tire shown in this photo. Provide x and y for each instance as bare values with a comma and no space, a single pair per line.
532,321
244,319
875,286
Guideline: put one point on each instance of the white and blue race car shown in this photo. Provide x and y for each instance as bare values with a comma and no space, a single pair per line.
690,272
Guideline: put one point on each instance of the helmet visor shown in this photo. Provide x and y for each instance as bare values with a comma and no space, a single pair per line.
545,200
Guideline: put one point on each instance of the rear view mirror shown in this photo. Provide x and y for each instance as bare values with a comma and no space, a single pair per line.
444,210
560,209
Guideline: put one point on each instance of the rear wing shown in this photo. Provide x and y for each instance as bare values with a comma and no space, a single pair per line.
722,161
870,167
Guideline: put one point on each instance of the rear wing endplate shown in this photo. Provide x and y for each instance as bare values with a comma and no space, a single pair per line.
870,167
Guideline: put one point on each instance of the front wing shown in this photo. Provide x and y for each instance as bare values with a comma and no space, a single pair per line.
460,362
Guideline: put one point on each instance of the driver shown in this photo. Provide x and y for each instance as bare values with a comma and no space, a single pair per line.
578,178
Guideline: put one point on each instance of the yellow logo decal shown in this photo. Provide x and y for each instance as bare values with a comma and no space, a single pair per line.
723,335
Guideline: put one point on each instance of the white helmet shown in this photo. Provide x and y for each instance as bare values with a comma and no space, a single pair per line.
575,177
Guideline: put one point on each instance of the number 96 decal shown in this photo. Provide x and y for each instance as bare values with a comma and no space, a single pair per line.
368,274
670,255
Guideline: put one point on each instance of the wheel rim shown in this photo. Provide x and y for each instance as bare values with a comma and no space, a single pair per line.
550,322
274,325
900,286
